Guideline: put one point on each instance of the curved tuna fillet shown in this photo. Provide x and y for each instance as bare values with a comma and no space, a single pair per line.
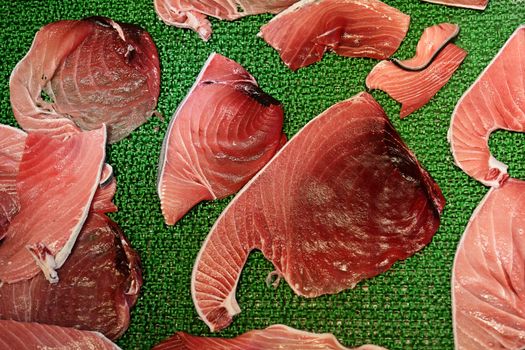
95,71
353,28
12,142
432,41
30,336
488,289
276,337
192,14
496,100
471,4
224,131
341,201
414,89
84,298
56,183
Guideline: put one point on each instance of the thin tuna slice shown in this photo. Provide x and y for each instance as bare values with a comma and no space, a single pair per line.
103,200
224,131
99,283
56,183
414,89
488,289
95,71
12,143
192,14
31,336
342,201
496,100
470,4
353,28
276,337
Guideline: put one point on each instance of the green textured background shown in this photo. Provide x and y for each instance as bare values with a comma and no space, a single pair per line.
406,308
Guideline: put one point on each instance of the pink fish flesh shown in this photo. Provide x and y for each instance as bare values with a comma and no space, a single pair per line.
353,28
340,202
471,4
224,131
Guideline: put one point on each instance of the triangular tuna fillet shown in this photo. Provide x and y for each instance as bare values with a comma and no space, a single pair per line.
341,201
496,100
192,14
224,131
470,4
99,283
414,82
488,288
95,71
31,336
276,337
56,183
353,28
12,143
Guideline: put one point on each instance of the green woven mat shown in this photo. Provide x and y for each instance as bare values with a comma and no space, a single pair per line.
407,307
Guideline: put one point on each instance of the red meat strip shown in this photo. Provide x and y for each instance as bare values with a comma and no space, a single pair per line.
496,100
488,289
12,143
341,202
31,336
192,14
415,87
95,71
275,337
224,131
56,183
471,4
354,28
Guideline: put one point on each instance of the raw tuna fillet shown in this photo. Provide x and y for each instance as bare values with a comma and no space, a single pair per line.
99,283
354,28
223,132
56,183
471,4
95,71
192,14
414,89
488,289
275,337
103,200
31,336
496,100
12,143
341,202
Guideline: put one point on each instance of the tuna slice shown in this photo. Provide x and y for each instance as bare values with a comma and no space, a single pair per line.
354,28
414,82
95,71
12,143
341,202
192,14
276,337
224,131
471,4
496,100
99,283
488,289
56,183
31,336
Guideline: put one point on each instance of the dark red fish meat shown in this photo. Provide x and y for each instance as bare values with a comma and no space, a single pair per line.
192,14
471,4
496,100
276,337
53,173
12,143
342,201
414,82
95,71
224,131
31,336
488,289
353,28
